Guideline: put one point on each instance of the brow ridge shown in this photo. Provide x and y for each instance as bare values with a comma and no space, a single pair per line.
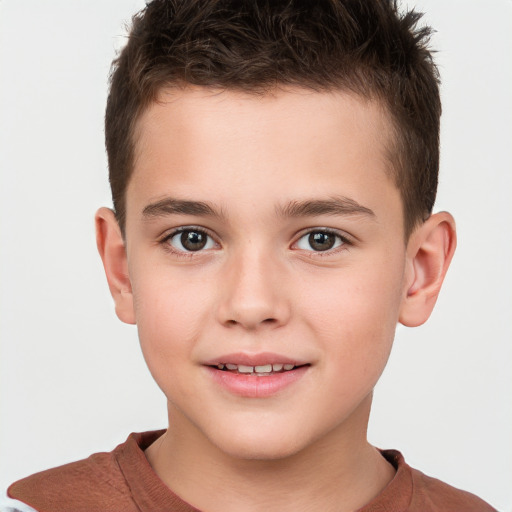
172,206
332,206
306,208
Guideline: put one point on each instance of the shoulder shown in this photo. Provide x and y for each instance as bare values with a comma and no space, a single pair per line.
414,491
432,494
89,485
11,505
95,483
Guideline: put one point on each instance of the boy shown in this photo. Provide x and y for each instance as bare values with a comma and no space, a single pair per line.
273,169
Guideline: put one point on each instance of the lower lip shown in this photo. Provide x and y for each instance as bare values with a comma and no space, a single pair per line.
252,386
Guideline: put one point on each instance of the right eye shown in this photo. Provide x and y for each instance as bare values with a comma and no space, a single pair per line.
190,240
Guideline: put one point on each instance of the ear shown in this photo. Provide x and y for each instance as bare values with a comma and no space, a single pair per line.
113,254
429,252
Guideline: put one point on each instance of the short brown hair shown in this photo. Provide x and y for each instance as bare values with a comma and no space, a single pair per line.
363,46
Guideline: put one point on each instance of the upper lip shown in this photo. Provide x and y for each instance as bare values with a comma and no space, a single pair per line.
259,359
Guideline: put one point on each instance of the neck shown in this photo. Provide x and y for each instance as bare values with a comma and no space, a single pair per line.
340,472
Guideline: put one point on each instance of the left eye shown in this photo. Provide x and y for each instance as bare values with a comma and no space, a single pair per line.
320,241
191,240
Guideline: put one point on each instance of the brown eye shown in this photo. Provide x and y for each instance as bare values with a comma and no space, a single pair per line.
320,241
191,240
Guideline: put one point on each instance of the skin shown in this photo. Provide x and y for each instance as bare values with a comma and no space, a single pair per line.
259,286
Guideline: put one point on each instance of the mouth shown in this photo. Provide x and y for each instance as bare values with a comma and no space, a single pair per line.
263,370
256,376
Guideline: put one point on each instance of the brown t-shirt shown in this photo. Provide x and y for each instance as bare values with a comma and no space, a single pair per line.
123,481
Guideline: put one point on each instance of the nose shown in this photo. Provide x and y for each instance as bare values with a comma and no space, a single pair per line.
253,292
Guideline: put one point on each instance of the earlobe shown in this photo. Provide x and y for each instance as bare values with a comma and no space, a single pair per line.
429,253
113,254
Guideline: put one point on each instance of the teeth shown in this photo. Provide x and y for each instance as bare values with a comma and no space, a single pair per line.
263,369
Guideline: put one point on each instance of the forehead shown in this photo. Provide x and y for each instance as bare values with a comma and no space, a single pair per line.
281,143
291,112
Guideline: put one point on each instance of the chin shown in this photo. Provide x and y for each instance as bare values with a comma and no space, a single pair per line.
255,451
260,444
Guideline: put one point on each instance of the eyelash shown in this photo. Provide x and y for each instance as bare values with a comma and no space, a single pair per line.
342,241
165,241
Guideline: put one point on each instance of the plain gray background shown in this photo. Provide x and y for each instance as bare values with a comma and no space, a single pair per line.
73,380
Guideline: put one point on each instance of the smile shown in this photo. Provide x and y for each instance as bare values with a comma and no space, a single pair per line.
261,379
259,370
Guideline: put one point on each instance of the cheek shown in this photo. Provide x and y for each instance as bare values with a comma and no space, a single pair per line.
356,312
168,330
169,314
166,300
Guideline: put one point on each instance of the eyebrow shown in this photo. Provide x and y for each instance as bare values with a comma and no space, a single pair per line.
170,206
332,206
307,208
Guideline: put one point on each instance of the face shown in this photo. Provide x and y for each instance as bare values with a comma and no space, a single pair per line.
266,261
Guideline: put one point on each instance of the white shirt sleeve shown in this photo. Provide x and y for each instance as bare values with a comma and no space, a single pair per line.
10,505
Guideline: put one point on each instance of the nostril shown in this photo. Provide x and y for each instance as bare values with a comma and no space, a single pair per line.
265,321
